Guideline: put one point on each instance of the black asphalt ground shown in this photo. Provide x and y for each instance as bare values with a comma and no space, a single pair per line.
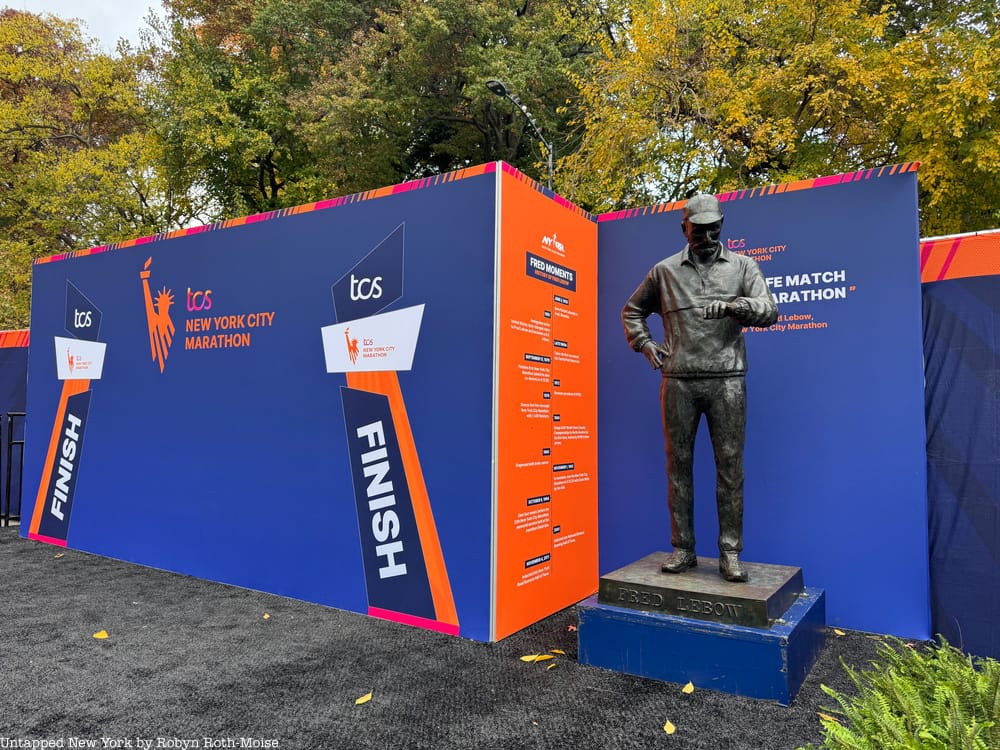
191,663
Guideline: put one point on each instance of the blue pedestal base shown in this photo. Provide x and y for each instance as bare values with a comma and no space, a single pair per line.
768,663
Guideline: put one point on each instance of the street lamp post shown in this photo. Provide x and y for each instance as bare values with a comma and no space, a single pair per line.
498,88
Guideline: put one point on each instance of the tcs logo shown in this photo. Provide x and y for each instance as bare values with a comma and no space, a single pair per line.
366,288
736,244
199,301
374,283
83,318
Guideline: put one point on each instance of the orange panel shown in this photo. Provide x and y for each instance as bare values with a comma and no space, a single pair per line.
546,470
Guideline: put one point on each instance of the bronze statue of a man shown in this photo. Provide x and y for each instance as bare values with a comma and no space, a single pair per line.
705,295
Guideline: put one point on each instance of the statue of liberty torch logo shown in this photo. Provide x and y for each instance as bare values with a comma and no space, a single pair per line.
161,328
352,346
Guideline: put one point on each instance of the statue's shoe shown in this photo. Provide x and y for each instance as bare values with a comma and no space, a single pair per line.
731,568
679,561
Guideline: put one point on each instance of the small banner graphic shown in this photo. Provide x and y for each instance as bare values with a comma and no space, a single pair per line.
374,283
50,522
395,572
546,270
79,359
83,319
380,342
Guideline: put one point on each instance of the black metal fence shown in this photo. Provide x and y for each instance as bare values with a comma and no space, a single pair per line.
11,465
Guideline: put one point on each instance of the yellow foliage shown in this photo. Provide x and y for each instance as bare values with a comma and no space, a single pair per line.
721,95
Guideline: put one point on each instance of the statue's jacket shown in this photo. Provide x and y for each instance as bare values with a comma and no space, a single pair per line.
678,290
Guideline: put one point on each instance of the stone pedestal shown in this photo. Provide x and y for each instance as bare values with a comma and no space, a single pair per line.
758,639
701,592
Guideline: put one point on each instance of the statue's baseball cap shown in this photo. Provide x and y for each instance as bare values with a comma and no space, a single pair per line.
702,209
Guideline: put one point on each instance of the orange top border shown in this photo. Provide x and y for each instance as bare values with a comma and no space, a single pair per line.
440,179
960,256
534,184
758,192
14,339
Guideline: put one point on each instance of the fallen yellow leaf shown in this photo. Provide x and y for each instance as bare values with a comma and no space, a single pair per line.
363,699
839,632
827,717
559,651
669,728
551,666
689,688
267,616
529,657
101,635
544,657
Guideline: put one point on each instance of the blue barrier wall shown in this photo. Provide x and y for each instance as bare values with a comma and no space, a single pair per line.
13,394
215,443
962,351
835,458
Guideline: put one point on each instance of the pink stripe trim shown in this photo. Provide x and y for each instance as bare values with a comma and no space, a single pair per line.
834,179
925,254
330,203
611,216
417,622
408,186
17,339
951,256
47,539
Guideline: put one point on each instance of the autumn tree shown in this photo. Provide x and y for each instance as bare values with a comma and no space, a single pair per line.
689,96
75,167
942,87
229,75
409,99
279,102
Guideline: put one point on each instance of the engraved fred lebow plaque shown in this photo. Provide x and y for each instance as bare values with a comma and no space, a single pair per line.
700,592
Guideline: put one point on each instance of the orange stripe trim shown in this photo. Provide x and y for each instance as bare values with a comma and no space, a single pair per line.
14,339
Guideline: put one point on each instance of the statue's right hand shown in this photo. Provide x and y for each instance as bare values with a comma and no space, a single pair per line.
653,354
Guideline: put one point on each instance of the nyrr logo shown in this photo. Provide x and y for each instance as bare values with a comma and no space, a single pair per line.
554,243
161,327
374,283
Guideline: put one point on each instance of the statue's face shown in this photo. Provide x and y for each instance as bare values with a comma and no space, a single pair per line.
702,237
